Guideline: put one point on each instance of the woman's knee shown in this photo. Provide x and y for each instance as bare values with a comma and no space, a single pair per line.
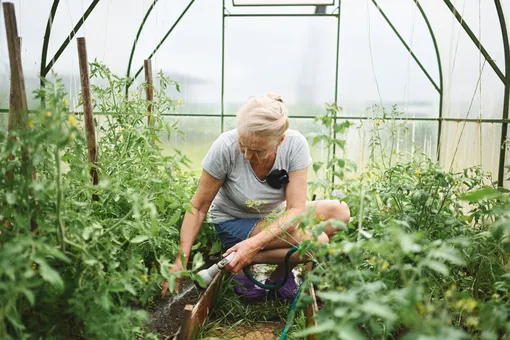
323,238
344,212
333,209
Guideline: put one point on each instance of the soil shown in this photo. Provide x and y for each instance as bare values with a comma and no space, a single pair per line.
165,316
261,331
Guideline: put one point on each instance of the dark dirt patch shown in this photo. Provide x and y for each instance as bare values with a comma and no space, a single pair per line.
165,317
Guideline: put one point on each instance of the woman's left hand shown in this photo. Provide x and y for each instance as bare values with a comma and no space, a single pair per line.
245,251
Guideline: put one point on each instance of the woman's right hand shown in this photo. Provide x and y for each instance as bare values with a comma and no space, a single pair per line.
176,268
207,189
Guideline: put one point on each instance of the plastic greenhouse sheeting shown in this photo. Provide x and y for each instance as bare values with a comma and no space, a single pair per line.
268,48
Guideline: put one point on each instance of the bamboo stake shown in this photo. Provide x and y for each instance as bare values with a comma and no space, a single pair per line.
87,110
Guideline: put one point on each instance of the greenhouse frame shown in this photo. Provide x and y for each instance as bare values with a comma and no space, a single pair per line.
434,71
255,169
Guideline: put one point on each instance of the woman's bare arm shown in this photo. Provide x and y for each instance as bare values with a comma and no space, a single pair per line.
207,189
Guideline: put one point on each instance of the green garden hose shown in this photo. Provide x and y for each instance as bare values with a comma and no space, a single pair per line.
290,317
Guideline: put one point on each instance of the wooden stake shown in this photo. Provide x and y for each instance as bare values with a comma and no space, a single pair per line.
18,108
202,308
87,110
18,113
149,90
311,310
184,333
12,117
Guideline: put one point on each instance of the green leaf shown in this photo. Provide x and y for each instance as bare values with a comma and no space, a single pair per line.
311,135
29,295
14,319
317,139
485,193
449,254
407,244
436,266
374,308
317,166
154,226
50,250
90,262
11,198
86,233
340,312
116,287
49,274
500,228
175,217
346,297
187,207
374,286
329,325
216,247
129,288
172,283
199,279
366,234
139,239
340,143
346,332
198,261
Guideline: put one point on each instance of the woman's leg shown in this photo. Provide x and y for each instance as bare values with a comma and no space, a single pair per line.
331,209
275,251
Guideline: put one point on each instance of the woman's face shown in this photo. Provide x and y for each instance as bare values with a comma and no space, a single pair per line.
257,149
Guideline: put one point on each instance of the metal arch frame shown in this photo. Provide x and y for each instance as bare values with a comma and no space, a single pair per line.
505,78
45,69
46,40
229,15
160,43
418,119
504,126
407,47
440,69
332,3
136,40
439,88
477,43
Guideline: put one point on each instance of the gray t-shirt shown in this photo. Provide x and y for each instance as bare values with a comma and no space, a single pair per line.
225,161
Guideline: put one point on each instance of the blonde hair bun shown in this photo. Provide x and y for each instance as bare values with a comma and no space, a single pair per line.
263,116
275,96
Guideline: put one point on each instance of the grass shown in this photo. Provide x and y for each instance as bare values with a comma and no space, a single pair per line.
231,317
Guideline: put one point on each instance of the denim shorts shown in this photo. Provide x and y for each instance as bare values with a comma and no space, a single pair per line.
232,232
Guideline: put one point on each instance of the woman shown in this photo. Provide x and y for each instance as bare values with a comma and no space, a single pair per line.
235,183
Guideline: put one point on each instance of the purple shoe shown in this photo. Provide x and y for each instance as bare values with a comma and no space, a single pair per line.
245,288
288,291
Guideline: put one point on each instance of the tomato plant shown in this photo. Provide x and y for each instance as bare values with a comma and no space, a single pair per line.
425,255
74,267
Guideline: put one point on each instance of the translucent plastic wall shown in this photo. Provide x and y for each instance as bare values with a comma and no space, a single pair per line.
268,49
